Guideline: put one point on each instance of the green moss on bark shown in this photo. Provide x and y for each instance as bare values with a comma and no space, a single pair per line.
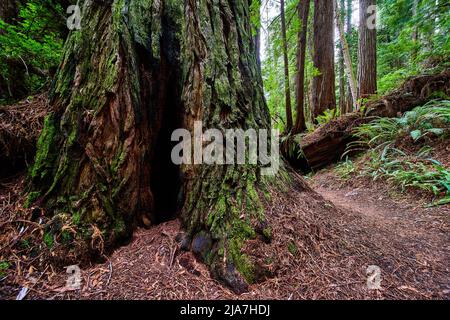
46,152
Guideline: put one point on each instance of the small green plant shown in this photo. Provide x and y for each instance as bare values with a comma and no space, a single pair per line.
4,266
48,240
345,169
327,116
292,248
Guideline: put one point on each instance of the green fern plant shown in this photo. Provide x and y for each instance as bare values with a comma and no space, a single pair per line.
383,160
327,116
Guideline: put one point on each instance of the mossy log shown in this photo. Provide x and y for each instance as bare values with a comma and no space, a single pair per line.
137,70
328,143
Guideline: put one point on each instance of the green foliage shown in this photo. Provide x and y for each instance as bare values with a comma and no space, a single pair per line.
292,248
408,44
4,266
32,42
402,167
430,120
255,14
48,240
273,64
411,42
327,116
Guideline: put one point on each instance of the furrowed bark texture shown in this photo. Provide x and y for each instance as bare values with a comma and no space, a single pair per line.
323,86
136,71
223,89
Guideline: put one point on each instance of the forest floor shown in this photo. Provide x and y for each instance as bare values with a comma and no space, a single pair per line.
323,250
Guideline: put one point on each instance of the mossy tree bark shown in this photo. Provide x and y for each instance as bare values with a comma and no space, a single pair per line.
136,71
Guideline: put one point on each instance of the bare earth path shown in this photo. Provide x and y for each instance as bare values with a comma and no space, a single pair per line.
320,250
402,231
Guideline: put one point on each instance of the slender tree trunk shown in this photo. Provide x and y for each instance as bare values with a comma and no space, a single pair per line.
415,34
348,34
287,87
323,89
340,12
346,55
136,71
367,52
303,11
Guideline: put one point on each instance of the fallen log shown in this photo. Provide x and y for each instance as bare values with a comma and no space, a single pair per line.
328,143
20,127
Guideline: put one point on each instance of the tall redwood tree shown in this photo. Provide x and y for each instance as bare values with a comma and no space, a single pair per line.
367,50
303,12
323,86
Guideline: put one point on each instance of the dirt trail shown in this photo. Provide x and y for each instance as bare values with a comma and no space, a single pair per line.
320,250
401,228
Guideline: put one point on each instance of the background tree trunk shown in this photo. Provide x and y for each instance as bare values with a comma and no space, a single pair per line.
287,87
367,53
348,34
340,18
303,12
346,55
136,71
323,87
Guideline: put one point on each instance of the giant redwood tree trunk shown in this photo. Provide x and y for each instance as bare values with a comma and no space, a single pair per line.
323,85
137,70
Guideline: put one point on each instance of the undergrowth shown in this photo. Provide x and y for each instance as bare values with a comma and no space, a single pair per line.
399,151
